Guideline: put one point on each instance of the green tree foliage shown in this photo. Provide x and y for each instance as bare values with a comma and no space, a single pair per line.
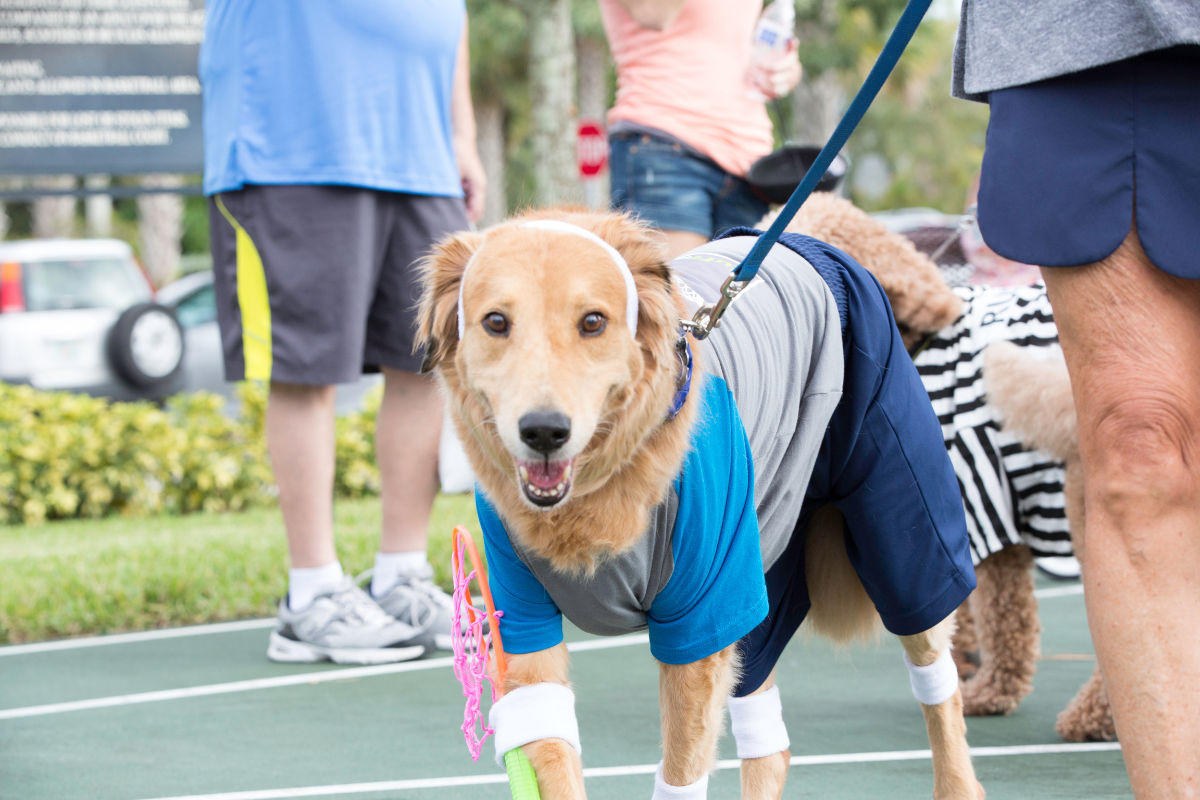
931,143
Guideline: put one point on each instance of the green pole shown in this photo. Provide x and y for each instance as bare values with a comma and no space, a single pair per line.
521,778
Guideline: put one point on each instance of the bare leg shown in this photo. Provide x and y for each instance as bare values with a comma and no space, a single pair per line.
763,778
1006,612
406,448
692,702
679,242
300,440
953,775
1131,335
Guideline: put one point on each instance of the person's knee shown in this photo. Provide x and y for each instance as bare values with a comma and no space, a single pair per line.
1146,446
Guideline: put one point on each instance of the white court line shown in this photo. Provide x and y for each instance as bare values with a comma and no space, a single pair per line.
256,624
640,769
324,676
141,636
1058,591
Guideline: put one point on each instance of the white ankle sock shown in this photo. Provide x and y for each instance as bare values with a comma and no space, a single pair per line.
391,567
305,584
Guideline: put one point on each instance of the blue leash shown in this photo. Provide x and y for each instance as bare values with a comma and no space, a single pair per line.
708,316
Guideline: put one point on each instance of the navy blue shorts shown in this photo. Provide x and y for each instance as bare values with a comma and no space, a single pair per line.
1070,159
883,464
675,190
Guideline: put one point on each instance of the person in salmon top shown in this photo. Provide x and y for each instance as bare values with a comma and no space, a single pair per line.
686,125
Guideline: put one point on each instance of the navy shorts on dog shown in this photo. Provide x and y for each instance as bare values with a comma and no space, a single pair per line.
1069,158
809,398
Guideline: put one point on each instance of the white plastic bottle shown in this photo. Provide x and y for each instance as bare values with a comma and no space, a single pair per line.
774,32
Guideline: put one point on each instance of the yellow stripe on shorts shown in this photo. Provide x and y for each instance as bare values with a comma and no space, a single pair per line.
253,302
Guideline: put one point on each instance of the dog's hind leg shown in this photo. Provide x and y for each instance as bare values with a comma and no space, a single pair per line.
763,778
953,775
965,648
692,703
1007,620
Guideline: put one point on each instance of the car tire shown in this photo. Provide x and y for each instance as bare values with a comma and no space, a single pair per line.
146,347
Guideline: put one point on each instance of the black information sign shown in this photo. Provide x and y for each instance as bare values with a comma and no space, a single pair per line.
100,86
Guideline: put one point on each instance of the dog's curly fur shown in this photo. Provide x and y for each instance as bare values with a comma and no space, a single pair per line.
1034,397
996,646
921,301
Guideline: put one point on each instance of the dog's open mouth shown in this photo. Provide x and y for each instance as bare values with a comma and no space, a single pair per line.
545,482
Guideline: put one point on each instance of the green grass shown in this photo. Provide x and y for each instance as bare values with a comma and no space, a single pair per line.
85,577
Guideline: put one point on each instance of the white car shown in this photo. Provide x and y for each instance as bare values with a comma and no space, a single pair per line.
80,315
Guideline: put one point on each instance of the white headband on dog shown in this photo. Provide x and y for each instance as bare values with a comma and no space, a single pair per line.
631,298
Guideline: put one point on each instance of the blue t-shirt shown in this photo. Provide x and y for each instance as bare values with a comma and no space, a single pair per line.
695,579
351,92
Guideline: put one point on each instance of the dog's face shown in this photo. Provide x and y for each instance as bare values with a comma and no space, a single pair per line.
546,352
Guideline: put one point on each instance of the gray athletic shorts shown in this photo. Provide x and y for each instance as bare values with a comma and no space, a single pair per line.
317,284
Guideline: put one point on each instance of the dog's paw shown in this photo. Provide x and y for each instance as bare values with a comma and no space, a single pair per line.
1088,717
1086,720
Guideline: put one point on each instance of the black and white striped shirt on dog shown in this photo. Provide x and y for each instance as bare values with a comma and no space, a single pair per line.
1011,495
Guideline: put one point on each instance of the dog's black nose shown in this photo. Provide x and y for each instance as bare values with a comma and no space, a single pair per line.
544,431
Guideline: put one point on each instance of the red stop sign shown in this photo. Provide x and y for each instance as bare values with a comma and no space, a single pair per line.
591,148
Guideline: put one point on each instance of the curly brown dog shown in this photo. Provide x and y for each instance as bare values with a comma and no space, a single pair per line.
1034,397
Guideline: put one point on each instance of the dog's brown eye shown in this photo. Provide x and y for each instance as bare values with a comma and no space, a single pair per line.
496,324
592,324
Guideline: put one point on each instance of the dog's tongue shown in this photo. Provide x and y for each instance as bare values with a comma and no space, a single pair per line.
546,474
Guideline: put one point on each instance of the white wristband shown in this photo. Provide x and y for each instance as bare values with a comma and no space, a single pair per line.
531,713
936,683
665,791
757,723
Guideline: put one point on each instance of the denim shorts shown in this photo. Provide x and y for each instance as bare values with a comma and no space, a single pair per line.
674,190
1069,160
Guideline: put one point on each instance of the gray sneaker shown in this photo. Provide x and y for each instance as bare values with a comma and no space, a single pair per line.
417,601
345,626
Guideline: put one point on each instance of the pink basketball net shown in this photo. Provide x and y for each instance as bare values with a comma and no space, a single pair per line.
469,642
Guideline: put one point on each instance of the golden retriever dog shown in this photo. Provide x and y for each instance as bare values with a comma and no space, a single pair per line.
585,412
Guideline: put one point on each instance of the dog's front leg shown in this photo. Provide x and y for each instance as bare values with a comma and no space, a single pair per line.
935,678
555,761
692,702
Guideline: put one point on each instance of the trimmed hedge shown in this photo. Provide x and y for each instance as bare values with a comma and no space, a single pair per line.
65,455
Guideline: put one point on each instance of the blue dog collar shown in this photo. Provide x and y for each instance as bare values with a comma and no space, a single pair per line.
685,378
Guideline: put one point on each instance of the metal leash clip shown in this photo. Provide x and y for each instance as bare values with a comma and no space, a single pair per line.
708,316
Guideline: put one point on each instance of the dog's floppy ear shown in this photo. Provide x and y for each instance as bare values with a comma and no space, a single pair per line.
437,317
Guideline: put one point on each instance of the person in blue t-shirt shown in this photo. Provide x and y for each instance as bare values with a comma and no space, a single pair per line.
339,146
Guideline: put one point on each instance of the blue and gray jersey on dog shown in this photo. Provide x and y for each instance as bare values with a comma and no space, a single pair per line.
774,375
779,373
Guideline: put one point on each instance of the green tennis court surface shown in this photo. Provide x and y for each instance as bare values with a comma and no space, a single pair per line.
207,715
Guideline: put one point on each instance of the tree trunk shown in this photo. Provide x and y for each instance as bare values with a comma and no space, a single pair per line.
489,137
160,223
54,216
818,105
593,105
97,208
552,86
